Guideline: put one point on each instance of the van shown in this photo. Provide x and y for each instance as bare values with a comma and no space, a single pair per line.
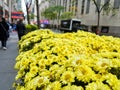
72,25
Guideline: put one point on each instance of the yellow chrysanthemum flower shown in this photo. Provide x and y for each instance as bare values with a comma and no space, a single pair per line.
67,77
46,59
97,86
73,87
34,70
84,73
28,77
54,86
112,81
36,82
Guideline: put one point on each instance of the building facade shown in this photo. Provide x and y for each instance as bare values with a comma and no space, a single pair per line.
4,8
7,7
43,4
86,11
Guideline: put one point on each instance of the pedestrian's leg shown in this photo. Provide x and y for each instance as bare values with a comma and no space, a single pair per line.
4,44
19,36
1,43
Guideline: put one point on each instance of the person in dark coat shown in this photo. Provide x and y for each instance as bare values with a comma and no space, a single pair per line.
20,28
3,32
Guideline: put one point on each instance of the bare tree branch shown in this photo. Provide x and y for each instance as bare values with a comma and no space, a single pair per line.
27,8
96,5
104,5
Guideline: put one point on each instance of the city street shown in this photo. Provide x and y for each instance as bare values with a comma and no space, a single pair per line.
7,62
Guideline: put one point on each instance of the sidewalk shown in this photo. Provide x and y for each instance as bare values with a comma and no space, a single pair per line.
111,34
7,62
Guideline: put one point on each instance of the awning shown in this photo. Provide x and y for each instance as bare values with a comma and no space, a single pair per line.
17,12
17,15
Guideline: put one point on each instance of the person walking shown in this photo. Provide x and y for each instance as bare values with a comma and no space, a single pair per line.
20,28
4,34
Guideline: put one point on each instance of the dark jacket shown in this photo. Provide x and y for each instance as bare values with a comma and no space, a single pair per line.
3,28
20,28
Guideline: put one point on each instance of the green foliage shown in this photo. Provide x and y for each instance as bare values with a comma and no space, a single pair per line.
58,8
107,9
52,12
66,15
114,11
49,14
32,16
20,10
30,28
115,71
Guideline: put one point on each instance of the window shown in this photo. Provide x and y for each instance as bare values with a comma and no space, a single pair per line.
65,5
104,29
70,5
88,6
93,28
60,2
116,4
73,5
65,23
76,5
83,6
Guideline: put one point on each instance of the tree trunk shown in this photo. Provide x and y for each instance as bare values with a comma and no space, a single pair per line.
98,24
38,18
28,18
58,20
53,25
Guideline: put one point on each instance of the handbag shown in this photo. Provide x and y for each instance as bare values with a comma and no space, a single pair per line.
7,33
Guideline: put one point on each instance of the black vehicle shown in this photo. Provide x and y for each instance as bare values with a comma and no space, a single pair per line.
83,27
72,25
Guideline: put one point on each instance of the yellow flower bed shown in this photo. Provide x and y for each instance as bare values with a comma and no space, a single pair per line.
69,61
